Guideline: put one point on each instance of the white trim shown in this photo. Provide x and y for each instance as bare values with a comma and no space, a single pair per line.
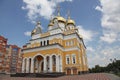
53,54
51,47
43,48
32,65
51,62
27,66
57,63
38,54
72,48
47,55
23,65
45,64
61,63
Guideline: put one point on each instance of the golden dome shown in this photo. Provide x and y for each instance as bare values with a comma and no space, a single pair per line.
38,22
70,21
81,36
59,18
51,23
33,32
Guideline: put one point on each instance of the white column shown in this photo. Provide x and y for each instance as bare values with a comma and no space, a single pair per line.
51,64
45,65
32,65
61,64
39,66
36,66
46,42
57,63
48,64
23,65
27,66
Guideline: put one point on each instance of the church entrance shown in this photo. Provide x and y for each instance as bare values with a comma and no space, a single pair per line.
68,71
39,64
74,71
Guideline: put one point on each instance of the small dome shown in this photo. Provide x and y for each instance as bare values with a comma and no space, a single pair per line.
38,22
33,32
37,29
81,36
59,18
51,23
70,21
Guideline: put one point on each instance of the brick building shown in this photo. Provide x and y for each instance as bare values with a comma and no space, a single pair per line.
13,59
3,43
10,57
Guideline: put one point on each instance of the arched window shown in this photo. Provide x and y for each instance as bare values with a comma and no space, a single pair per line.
67,59
54,59
47,42
44,43
41,43
71,42
73,58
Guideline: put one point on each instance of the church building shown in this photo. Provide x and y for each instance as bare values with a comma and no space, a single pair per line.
60,49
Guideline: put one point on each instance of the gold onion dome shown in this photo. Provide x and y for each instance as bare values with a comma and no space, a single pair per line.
51,23
38,22
37,29
70,21
59,18
33,32
81,36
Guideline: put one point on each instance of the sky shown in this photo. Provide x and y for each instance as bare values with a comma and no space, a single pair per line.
98,22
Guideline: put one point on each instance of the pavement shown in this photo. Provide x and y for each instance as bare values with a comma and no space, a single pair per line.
92,76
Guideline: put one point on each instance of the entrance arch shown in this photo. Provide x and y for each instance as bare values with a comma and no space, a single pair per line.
74,71
68,71
38,64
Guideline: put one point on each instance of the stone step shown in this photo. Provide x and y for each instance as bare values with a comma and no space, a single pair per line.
43,75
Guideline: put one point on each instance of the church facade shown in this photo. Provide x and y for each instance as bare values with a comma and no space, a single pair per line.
60,49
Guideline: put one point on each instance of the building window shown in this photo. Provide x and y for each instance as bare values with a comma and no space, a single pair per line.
41,43
0,60
67,43
67,59
44,43
73,58
1,54
47,42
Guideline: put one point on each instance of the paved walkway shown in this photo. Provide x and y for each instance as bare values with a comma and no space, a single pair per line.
94,76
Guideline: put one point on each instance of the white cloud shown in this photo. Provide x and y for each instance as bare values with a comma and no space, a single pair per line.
38,8
86,34
110,20
90,49
102,55
27,33
109,37
98,8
